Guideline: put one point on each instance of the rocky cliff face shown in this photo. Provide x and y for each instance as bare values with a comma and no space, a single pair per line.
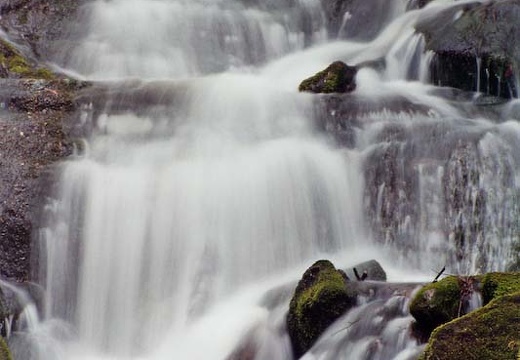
34,105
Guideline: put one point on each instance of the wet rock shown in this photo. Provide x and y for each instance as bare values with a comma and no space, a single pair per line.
478,50
39,26
441,302
321,297
373,268
336,78
32,138
490,333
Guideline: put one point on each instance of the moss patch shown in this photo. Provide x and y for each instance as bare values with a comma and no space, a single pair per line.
320,298
5,354
14,64
490,333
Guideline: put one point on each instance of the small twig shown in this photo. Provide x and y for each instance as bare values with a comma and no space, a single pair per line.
346,328
439,274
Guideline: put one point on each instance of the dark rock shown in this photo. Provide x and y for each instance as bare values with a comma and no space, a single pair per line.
373,269
490,333
336,78
321,297
485,33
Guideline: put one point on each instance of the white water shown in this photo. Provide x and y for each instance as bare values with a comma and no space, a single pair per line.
167,233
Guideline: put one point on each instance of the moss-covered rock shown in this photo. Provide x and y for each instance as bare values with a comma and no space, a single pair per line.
497,284
320,298
338,77
490,333
437,303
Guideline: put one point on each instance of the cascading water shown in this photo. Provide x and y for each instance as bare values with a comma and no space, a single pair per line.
186,207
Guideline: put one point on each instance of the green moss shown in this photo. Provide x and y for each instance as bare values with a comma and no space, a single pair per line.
15,64
498,284
490,333
437,303
320,298
5,354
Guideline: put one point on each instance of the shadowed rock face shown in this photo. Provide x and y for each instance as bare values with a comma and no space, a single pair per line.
478,51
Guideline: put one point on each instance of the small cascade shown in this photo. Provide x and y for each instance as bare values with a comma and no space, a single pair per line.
173,39
378,329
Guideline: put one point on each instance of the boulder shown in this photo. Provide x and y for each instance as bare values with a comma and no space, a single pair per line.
437,303
321,297
338,77
441,302
498,284
489,333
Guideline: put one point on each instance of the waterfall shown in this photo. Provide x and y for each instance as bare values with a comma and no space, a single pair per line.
189,204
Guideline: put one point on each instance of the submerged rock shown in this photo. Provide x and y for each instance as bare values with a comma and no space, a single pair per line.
338,77
490,333
321,297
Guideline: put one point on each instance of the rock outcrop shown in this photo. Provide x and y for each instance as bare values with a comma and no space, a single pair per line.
478,51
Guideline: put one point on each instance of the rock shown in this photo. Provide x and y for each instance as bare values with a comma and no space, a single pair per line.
321,297
13,64
338,77
489,333
441,302
437,303
373,268
498,284
32,138
40,26
485,34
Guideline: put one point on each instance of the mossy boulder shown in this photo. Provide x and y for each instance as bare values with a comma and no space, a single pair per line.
338,77
489,333
437,303
497,284
321,297
441,302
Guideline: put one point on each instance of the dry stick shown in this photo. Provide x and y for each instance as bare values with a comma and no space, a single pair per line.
439,275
